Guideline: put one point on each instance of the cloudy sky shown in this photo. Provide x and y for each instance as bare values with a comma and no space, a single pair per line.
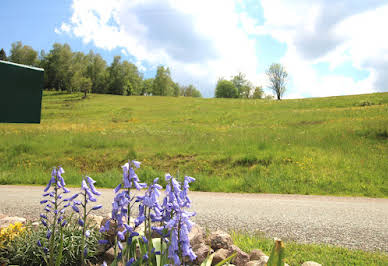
329,47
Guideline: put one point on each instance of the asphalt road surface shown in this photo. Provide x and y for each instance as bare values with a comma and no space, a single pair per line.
360,223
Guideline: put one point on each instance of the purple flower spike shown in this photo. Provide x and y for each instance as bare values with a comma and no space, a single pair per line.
93,189
87,233
48,235
65,190
117,188
75,208
44,222
97,207
90,180
136,163
39,244
120,245
103,242
63,223
43,201
84,186
130,262
81,222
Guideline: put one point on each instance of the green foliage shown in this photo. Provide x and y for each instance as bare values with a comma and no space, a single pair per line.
3,55
276,257
58,68
24,250
147,87
226,89
243,86
258,93
96,71
124,78
162,85
190,91
277,76
23,54
297,253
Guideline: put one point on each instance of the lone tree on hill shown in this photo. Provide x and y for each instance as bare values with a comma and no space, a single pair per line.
277,76
3,56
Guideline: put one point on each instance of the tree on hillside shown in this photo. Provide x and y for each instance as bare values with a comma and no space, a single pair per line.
3,56
190,91
226,89
147,87
242,84
96,72
258,93
277,76
162,84
124,78
23,54
58,67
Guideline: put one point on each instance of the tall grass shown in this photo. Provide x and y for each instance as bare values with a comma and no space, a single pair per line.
335,145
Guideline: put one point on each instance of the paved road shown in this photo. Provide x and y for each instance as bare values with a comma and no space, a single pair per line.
360,223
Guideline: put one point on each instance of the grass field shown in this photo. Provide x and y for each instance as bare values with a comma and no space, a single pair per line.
334,146
296,253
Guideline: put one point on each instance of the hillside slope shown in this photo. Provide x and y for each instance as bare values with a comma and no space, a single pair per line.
335,145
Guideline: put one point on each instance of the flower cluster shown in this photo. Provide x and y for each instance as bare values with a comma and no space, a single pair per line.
122,204
88,193
54,208
177,219
7,234
172,217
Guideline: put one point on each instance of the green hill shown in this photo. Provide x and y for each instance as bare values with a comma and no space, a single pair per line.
335,145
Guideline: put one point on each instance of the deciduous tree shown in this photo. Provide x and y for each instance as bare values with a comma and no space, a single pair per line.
277,76
226,89
23,54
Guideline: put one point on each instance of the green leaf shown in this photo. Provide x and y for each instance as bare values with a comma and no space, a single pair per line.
208,260
227,259
60,250
277,254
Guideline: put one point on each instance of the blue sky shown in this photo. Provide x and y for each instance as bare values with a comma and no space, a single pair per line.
327,48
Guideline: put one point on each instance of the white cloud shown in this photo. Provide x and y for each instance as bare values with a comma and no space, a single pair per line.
332,32
203,40
199,40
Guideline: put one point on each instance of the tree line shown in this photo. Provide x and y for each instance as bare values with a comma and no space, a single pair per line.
239,87
70,71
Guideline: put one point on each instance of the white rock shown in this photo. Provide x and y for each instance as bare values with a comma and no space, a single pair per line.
6,221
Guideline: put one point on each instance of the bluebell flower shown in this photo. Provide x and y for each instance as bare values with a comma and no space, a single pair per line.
48,235
75,208
103,242
130,262
81,222
96,207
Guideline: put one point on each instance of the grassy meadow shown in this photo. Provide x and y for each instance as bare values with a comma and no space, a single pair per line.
330,146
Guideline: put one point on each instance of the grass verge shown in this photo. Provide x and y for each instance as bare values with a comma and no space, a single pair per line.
297,253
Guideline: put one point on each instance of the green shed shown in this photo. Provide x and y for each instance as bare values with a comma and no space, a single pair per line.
20,93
